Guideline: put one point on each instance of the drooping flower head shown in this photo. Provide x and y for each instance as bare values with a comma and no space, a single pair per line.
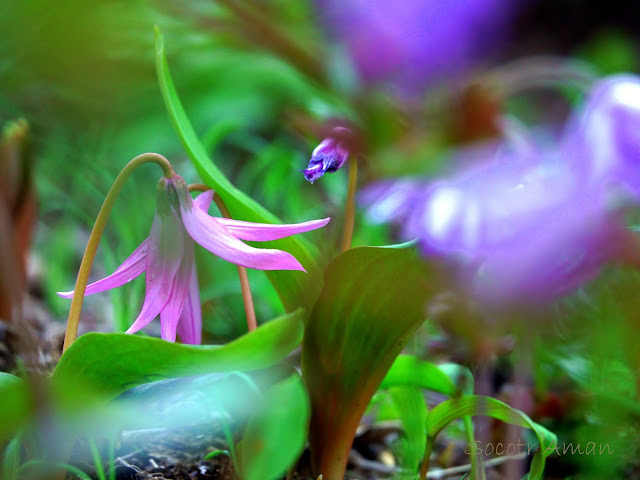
328,156
530,223
167,257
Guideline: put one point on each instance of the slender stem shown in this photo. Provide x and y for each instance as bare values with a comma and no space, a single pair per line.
350,208
96,234
427,458
249,308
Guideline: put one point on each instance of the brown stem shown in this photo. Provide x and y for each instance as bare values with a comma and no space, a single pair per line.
350,208
249,308
424,468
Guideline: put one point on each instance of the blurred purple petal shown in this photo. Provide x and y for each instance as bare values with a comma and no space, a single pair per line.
131,268
603,138
531,221
413,42
390,200
557,256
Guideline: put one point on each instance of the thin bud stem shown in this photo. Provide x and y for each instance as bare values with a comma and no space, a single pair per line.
424,468
350,208
96,234
249,308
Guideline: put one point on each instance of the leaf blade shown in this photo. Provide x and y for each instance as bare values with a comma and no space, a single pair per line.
107,364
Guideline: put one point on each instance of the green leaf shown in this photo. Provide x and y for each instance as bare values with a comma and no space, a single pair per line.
216,453
294,288
11,459
410,371
106,364
412,410
456,408
447,378
372,302
17,404
276,435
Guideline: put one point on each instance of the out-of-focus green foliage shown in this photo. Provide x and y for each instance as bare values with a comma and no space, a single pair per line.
17,404
460,407
276,433
408,376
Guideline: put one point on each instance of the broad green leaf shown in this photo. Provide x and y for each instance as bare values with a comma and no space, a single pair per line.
372,302
295,288
276,435
106,364
17,404
446,412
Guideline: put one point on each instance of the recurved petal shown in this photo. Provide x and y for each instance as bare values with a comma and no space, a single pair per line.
203,201
131,268
213,236
165,252
190,324
262,232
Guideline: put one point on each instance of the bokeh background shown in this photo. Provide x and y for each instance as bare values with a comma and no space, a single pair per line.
262,82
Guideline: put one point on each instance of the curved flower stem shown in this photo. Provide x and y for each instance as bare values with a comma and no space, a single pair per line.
96,234
541,72
427,458
249,308
350,208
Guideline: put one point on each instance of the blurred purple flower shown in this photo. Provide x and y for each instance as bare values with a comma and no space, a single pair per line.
535,221
167,258
328,156
413,42
603,138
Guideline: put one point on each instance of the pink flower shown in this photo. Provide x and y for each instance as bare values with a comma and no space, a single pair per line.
167,258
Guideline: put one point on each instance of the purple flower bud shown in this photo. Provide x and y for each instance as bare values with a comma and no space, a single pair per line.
329,156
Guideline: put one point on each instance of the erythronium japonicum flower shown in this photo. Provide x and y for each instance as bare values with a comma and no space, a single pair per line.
534,222
328,156
167,257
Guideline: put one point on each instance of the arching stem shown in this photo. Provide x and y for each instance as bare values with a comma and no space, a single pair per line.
96,234
249,308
